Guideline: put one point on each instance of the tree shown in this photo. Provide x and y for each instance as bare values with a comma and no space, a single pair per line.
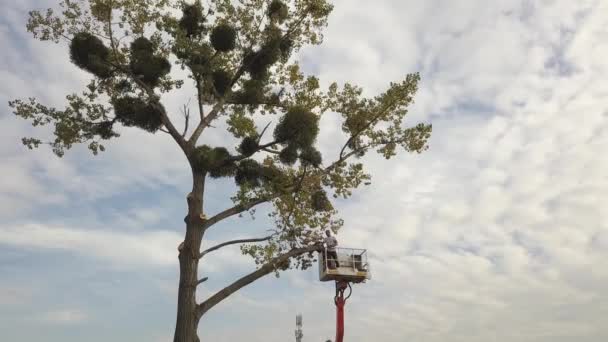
238,57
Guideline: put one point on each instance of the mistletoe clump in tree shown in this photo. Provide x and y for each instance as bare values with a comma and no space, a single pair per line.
238,57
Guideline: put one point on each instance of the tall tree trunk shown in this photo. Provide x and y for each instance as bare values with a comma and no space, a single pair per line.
187,322
187,318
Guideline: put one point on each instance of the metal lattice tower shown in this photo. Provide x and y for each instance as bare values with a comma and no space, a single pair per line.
299,333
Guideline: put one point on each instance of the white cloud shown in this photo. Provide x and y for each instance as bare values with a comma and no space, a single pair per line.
122,249
64,317
158,248
15,295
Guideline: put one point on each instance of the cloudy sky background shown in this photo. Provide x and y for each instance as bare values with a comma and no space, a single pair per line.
497,233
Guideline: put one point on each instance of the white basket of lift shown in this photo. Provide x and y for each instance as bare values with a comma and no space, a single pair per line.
353,266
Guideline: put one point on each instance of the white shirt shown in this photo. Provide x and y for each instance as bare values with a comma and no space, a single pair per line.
331,243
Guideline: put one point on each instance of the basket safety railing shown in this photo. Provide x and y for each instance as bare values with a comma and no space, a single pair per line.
355,258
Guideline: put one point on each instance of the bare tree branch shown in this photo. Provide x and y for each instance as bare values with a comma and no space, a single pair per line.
202,280
179,139
186,113
199,95
270,151
264,147
264,131
206,120
266,102
237,209
233,242
251,277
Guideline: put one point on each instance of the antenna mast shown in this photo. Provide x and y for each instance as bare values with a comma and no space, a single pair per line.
299,333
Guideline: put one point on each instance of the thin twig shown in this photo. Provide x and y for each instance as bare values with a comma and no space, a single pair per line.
233,242
263,131
186,113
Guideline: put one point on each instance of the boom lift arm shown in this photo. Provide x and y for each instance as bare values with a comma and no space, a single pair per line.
340,301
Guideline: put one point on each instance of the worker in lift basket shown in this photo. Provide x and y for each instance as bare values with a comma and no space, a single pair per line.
330,246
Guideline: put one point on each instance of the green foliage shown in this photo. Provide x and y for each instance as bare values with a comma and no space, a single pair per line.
272,175
319,9
197,59
342,178
89,53
142,47
215,161
363,118
286,47
145,65
274,46
320,202
257,63
278,11
192,20
123,87
298,126
253,92
104,130
223,38
278,46
248,146
133,111
298,222
254,66
82,121
249,172
311,156
202,157
240,125
289,154
221,81
220,164
101,10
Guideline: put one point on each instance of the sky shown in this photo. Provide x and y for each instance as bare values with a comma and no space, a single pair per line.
497,233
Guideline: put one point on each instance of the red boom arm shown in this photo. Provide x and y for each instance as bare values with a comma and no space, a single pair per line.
340,301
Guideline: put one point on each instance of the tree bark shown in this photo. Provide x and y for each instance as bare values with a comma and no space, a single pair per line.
187,318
